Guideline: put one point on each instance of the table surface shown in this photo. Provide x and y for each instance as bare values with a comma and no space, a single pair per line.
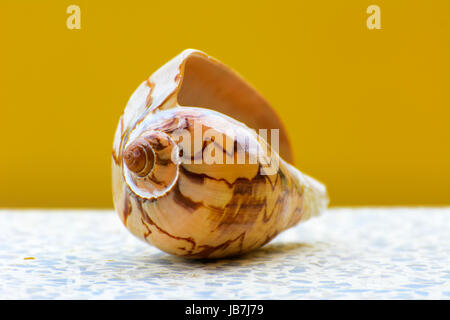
347,253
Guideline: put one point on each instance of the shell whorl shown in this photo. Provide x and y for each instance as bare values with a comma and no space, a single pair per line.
139,157
150,164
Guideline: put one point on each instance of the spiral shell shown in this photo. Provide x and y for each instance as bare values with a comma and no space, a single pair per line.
193,177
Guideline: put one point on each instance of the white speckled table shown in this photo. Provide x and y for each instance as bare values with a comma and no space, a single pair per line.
344,254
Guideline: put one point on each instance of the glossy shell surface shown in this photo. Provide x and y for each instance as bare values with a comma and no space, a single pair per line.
178,199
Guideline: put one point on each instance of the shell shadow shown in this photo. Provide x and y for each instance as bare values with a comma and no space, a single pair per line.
161,266
269,252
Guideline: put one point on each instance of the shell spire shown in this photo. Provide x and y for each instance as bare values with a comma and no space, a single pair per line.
139,158
201,163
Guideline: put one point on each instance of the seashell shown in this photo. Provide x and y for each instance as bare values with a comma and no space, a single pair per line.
195,172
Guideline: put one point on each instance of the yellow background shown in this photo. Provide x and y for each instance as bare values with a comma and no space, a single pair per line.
368,111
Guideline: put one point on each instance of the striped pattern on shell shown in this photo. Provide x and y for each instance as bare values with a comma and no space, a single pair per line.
170,195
